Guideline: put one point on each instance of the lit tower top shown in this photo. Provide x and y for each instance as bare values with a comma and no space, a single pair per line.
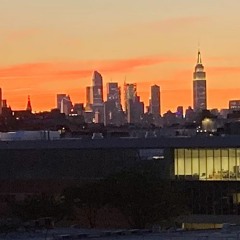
199,69
199,86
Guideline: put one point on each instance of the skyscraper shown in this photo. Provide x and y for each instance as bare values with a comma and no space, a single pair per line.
113,92
60,96
97,94
155,107
29,106
0,101
89,98
66,105
130,93
113,113
97,88
199,86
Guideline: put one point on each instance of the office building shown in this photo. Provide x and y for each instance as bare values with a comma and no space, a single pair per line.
60,96
234,105
155,107
199,86
97,94
66,105
130,93
135,110
1,101
113,113
113,92
89,98
97,88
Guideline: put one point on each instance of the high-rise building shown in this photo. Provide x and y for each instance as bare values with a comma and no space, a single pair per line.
113,113
97,88
113,91
155,107
60,96
66,105
29,106
89,98
135,110
97,94
0,101
130,93
199,86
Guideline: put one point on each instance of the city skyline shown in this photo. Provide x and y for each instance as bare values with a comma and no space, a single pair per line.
53,47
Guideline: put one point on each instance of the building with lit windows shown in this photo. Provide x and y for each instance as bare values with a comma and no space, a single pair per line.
234,105
205,169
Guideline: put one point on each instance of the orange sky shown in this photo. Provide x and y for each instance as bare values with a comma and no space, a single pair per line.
50,47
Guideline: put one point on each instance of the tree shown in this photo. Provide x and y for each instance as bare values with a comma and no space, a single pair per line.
89,197
143,199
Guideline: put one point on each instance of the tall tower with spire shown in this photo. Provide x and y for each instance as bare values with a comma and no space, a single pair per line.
29,106
199,86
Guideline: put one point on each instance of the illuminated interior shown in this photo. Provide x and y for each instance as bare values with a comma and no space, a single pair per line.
207,164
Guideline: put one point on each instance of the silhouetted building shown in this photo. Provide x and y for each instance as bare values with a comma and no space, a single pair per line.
29,106
66,105
199,86
234,105
4,103
89,98
60,96
130,93
113,113
0,101
97,89
135,110
78,108
155,107
179,112
169,118
190,115
113,92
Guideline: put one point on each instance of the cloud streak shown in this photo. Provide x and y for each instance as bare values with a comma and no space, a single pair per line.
79,68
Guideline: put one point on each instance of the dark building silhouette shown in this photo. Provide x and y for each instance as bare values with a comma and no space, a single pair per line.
113,113
89,98
29,106
135,110
97,90
155,104
234,105
60,96
130,93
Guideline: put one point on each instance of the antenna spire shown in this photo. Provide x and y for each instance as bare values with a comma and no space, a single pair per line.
199,59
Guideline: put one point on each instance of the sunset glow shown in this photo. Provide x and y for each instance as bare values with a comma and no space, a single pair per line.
49,47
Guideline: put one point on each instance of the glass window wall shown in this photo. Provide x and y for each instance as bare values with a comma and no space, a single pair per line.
207,164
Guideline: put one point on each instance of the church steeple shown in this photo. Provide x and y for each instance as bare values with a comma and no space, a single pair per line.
29,106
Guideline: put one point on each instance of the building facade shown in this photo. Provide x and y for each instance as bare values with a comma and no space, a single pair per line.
234,105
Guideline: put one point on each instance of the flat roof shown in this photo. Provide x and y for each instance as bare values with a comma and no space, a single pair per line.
131,143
